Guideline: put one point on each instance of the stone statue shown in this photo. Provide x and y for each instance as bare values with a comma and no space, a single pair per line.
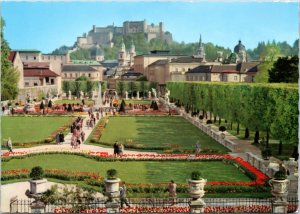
149,94
154,93
70,96
138,95
81,94
126,95
167,96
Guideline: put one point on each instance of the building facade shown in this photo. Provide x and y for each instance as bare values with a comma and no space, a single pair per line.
74,71
240,72
141,62
17,63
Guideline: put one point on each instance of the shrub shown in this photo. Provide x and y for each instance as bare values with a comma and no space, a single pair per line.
280,175
36,173
111,174
208,122
196,175
222,129
201,117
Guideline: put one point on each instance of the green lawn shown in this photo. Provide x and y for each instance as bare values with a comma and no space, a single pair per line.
86,102
133,171
157,132
30,129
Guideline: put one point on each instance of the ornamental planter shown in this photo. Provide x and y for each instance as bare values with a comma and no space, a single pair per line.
279,187
196,188
38,186
112,188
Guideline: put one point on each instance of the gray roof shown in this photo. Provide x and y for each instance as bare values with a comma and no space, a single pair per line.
79,68
159,62
243,67
187,59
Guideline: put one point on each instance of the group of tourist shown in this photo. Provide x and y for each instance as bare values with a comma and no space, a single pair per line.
118,148
78,135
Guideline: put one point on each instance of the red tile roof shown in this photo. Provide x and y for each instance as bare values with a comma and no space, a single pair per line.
12,56
28,72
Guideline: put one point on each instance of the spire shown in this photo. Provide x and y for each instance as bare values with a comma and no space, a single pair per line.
122,46
200,52
200,41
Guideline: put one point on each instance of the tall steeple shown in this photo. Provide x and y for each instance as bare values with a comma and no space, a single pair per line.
200,52
123,49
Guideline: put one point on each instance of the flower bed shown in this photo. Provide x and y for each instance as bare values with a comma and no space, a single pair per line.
183,209
97,132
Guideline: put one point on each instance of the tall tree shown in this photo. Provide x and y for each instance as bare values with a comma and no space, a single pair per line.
285,69
89,87
269,55
120,88
9,75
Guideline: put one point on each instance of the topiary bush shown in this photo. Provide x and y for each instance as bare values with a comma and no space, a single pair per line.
208,122
36,173
222,128
196,175
111,174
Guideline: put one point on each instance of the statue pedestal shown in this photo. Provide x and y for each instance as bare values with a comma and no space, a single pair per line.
112,207
279,206
197,206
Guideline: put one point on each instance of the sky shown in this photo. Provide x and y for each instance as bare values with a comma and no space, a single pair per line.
48,25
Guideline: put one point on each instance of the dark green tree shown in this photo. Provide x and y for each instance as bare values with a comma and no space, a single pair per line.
9,75
77,88
285,69
120,88
122,106
66,87
89,88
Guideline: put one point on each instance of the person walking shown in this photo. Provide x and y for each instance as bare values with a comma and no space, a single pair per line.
121,149
9,145
123,198
172,191
116,148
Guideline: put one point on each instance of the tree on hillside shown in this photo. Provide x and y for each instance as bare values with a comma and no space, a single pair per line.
62,49
81,54
285,69
9,75
269,55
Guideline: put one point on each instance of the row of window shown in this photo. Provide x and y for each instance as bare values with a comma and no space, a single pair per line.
77,75
43,57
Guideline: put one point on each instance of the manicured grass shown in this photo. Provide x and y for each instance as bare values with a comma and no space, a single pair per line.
86,102
30,129
136,101
157,132
133,171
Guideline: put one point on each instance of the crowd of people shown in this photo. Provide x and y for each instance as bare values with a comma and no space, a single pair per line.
78,134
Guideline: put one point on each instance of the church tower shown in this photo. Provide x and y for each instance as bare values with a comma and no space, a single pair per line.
200,52
240,50
122,54
132,54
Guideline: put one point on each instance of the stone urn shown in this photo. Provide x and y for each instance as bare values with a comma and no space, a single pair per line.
38,186
196,188
112,188
279,185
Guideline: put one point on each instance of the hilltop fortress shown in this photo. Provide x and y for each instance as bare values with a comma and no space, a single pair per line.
103,36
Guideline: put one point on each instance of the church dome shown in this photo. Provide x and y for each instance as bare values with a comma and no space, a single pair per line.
239,47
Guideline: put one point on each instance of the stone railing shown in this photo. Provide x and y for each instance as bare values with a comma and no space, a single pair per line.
265,166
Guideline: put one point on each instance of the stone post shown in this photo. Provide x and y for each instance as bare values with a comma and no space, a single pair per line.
291,166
